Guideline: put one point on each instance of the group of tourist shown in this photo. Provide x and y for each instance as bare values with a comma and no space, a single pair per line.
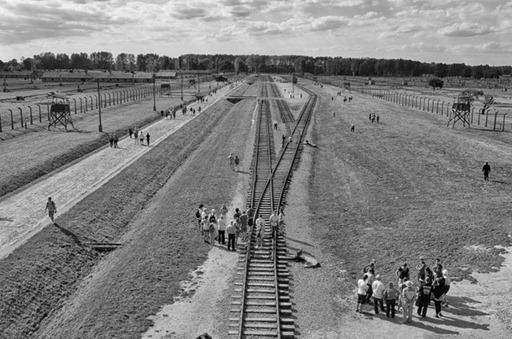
432,284
138,136
214,225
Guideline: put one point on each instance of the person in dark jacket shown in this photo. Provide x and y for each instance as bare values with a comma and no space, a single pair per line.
486,169
437,293
424,296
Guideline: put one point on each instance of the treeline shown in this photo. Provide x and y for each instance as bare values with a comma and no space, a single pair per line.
254,64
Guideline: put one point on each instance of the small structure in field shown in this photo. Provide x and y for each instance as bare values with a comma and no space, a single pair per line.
60,112
460,111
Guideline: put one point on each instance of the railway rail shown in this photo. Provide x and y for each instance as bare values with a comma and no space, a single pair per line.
261,305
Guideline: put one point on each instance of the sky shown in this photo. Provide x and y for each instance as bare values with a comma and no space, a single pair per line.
447,31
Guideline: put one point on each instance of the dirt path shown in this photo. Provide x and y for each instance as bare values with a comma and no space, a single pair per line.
22,214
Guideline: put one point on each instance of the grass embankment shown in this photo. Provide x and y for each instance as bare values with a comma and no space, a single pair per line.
39,277
32,155
407,187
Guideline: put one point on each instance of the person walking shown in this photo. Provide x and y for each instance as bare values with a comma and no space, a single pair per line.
116,140
147,138
51,208
111,140
231,159
130,132
136,136
230,230
424,296
243,226
250,216
198,213
237,162
362,288
141,137
408,298
378,294
486,169
390,295
274,223
260,231
222,229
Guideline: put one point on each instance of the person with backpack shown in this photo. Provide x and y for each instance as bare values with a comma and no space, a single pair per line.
424,296
390,296
408,298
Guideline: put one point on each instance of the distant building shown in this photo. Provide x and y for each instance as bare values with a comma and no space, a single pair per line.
103,76
24,74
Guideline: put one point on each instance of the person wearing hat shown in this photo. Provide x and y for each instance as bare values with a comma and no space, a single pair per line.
378,292
408,299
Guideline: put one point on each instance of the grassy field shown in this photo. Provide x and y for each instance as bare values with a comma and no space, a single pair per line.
408,186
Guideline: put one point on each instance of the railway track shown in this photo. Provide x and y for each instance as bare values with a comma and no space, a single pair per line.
261,305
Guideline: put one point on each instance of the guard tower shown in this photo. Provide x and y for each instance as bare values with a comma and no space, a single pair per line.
460,111
60,112
165,90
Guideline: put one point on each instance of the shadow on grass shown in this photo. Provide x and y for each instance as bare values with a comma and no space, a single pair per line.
299,241
69,234
459,306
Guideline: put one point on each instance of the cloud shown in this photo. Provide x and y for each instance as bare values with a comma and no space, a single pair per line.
189,13
464,30
24,22
328,23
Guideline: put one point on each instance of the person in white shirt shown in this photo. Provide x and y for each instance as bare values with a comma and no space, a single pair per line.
378,292
362,288
260,231
222,229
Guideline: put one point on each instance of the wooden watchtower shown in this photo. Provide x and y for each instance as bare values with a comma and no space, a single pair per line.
460,111
60,112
